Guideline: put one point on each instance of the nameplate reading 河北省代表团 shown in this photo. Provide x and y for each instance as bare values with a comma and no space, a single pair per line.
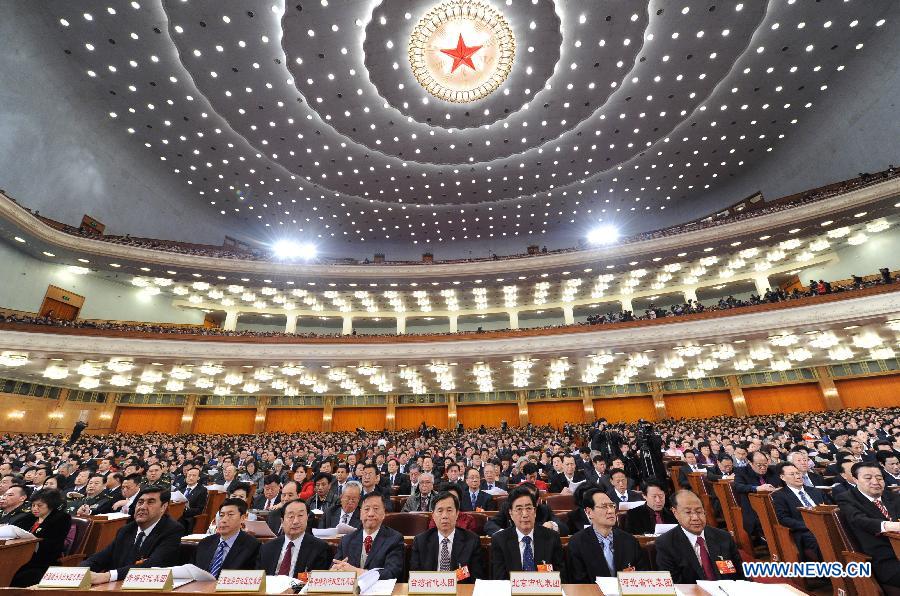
634,583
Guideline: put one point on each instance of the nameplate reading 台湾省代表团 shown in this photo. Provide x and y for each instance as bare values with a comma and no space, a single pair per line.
432,582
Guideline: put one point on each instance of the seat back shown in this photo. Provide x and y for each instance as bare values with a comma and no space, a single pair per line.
408,524
782,546
176,510
480,519
731,511
699,486
561,502
82,527
398,502
674,470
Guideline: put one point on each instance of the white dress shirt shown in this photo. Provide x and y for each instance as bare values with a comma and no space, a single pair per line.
297,543
693,540
113,573
520,535
440,538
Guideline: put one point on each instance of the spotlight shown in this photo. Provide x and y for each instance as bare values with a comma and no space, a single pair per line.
606,234
288,249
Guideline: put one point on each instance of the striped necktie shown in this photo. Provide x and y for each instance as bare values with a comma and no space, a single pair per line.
218,559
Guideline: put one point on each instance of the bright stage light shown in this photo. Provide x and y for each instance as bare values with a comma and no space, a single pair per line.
288,249
603,235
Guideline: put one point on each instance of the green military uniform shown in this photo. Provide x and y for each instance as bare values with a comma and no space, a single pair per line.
99,504
164,482
20,516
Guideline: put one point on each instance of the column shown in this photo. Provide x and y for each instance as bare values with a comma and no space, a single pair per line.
454,323
522,400
451,411
588,405
658,401
513,319
259,423
762,284
290,325
569,314
401,325
390,415
327,414
737,396
231,317
626,304
187,416
63,396
348,325
829,390
690,294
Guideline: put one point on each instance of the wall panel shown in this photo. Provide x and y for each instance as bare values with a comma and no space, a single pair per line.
291,420
699,405
625,409
556,413
371,419
784,399
224,421
145,420
475,415
879,392
412,417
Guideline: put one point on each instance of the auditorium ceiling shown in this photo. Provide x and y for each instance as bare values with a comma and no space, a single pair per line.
419,122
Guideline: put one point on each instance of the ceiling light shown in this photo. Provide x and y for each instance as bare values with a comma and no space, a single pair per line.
56,372
89,383
605,234
13,359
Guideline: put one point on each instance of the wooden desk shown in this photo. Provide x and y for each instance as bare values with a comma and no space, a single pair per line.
894,537
399,590
14,554
102,532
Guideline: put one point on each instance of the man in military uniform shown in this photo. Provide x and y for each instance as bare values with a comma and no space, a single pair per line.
95,502
14,507
156,478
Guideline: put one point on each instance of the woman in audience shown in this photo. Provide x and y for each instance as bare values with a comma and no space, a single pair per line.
300,477
52,526
253,476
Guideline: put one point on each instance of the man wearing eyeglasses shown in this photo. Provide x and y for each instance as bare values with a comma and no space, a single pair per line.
525,546
787,503
601,549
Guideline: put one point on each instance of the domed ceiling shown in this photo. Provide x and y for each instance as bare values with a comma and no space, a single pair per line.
537,119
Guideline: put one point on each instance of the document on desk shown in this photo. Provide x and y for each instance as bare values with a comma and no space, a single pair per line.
10,532
345,529
117,515
176,496
609,586
492,587
278,584
192,572
324,532
496,492
627,505
382,587
743,588
193,537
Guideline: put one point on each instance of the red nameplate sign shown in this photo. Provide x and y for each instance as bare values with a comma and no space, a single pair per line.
643,583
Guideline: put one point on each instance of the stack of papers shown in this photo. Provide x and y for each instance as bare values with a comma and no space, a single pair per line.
743,588
609,586
628,505
496,491
370,584
192,573
492,587
324,532
10,532
278,584
177,497
116,515
194,537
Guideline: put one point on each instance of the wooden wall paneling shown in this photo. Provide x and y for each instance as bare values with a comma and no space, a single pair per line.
146,420
625,409
473,416
291,420
555,413
349,419
879,392
410,417
699,405
784,399
224,421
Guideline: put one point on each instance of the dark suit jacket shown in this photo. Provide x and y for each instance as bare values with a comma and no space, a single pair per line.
787,506
466,552
642,520
387,552
586,562
52,532
332,517
505,555
241,555
497,483
401,481
484,500
683,472
502,520
675,555
601,481
195,505
864,521
260,501
161,548
314,555
632,496
746,480
818,479
560,482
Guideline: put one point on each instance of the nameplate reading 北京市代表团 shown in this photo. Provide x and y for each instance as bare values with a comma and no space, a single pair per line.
240,580
432,582
535,582
331,582
646,583
75,578
148,579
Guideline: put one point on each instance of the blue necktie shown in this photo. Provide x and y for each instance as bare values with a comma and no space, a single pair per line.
187,493
805,499
608,554
528,556
474,499
218,559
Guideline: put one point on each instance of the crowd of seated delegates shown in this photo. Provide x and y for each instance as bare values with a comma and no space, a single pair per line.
493,481
249,254
653,312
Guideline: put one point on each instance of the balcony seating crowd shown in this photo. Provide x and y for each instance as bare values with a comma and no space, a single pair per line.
739,490
250,254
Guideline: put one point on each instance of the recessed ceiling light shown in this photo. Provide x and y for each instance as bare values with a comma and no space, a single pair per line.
116,265
49,254
18,239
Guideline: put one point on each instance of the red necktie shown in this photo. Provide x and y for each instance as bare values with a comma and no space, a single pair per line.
367,544
285,567
659,518
882,508
762,480
705,561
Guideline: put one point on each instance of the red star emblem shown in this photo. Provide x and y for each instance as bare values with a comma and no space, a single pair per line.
461,54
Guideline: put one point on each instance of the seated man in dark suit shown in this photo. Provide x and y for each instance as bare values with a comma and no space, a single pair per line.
544,516
491,479
643,519
845,481
890,465
230,547
570,473
691,465
371,480
602,550
694,551
787,502
475,499
153,539
196,495
620,492
396,478
271,495
374,546
320,501
446,547
524,545
800,458
346,511
294,551
870,511
757,477
598,475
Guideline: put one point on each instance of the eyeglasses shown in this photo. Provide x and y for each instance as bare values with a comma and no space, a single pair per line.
525,509
606,506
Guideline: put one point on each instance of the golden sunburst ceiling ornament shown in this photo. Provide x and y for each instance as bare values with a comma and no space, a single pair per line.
462,50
